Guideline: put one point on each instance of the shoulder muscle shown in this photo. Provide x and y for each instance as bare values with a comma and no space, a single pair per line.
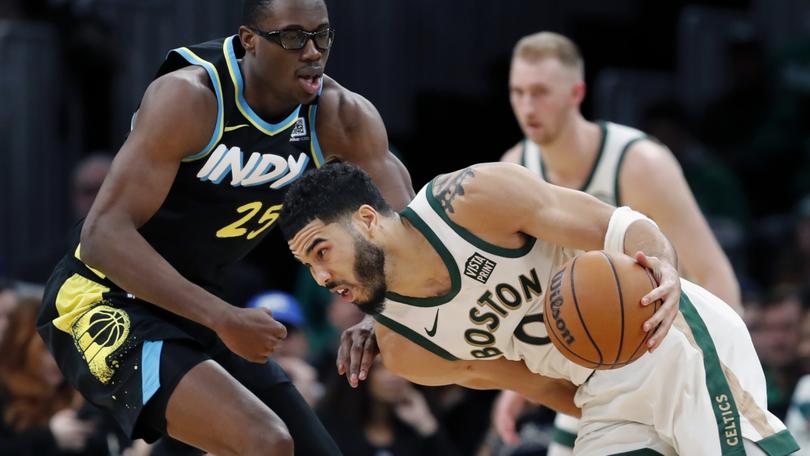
513,154
165,119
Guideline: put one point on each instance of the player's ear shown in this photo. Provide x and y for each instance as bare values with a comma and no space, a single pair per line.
368,219
248,38
578,92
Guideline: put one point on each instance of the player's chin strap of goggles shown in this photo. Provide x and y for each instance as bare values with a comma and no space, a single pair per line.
621,219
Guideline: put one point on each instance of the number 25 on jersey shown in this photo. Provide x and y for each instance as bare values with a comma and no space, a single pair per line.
244,226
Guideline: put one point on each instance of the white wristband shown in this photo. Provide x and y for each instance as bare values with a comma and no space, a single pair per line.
621,219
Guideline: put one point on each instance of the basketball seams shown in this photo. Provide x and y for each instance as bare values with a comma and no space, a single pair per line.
579,313
649,333
594,364
609,325
621,306
559,343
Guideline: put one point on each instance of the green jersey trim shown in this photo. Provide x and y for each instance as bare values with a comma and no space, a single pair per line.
599,152
641,452
779,444
414,337
563,437
617,196
723,404
447,258
473,239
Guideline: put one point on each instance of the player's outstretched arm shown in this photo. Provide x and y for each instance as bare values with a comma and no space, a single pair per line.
176,118
652,182
504,202
351,129
422,367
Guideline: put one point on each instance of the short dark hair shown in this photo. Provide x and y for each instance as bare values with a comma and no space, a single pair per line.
328,193
253,11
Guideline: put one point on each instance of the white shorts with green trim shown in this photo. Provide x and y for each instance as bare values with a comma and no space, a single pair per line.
699,393
565,433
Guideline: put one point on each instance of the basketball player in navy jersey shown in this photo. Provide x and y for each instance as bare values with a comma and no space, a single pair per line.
131,313
617,164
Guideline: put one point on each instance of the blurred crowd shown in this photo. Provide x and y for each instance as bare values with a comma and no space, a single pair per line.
41,415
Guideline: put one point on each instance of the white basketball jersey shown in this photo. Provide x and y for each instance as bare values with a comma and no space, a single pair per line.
495,305
603,180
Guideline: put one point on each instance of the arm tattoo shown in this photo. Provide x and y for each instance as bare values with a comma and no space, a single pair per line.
448,187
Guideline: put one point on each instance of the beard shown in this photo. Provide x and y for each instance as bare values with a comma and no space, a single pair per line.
369,267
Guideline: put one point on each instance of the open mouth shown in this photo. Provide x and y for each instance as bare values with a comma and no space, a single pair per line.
310,83
344,293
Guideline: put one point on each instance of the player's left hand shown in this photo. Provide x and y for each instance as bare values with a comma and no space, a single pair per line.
358,348
668,291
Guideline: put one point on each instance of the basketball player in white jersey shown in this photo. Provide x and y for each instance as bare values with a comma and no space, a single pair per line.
617,164
456,282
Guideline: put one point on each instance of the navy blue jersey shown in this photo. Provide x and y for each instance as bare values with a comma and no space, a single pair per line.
227,197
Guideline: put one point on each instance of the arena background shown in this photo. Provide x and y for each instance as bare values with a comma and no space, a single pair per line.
73,72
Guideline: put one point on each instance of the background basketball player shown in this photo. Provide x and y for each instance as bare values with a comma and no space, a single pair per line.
617,164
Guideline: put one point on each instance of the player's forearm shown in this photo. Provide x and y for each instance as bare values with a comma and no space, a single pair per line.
127,259
643,236
557,395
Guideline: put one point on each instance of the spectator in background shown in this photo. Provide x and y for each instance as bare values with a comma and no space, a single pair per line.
718,191
755,126
85,182
385,416
316,303
286,310
798,416
794,265
776,336
304,377
8,300
292,353
39,409
340,316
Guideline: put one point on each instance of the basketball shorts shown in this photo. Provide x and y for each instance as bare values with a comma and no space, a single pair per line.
127,356
701,392
564,436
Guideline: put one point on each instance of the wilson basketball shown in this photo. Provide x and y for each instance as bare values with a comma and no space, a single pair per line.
593,312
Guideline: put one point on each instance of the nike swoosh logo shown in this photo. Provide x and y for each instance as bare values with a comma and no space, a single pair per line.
236,127
432,331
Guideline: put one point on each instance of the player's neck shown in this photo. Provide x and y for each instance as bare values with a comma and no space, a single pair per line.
412,265
568,160
262,98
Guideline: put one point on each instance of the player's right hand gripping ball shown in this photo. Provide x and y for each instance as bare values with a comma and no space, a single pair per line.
593,312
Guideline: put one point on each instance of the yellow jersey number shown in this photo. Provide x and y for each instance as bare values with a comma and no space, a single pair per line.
250,210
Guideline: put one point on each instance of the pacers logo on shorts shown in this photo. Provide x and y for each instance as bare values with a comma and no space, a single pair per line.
97,334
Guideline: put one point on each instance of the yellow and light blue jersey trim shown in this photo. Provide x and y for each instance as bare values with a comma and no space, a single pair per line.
314,145
241,103
194,59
